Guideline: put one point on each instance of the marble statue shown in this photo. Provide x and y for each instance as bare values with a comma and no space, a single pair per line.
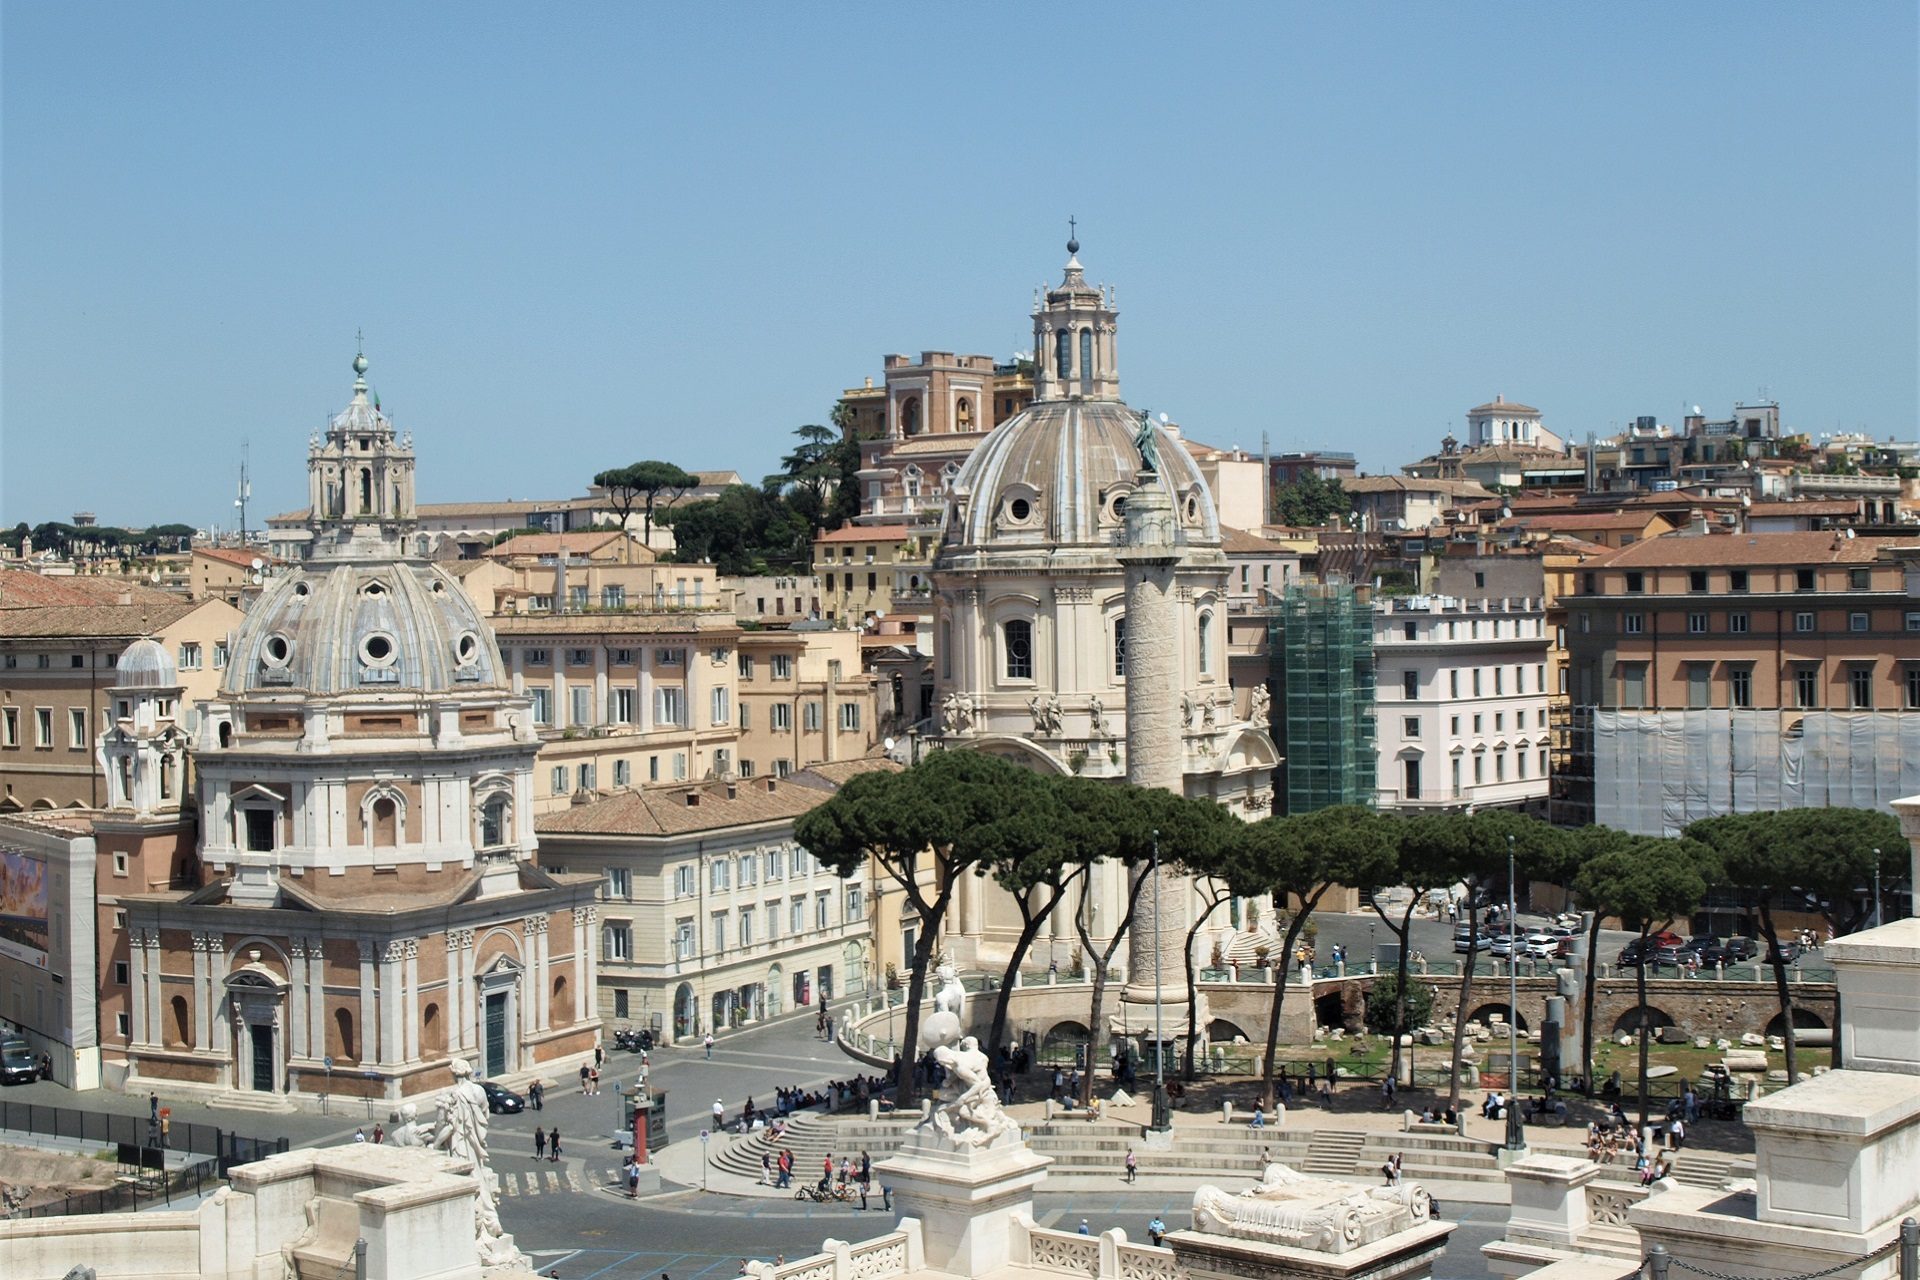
1301,1211
1186,711
1096,716
1053,714
460,1130
406,1129
1209,713
1038,710
1143,441
1046,713
966,712
969,1113
950,714
1258,704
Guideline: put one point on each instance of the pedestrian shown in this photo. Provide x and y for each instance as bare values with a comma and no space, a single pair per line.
633,1181
1133,1165
719,1116
866,1169
1386,1092
863,1194
1691,1102
153,1108
599,1055
766,1168
1156,1231
709,1044
379,1134
553,1144
1676,1133
585,1070
826,1173
1259,1120
538,1092
359,1135
886,1197
539,1143
1085,1230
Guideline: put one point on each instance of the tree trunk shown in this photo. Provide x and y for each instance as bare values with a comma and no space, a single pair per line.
1294,930
1100,964
1460,1015
1029,930
1400,931
1193,990
905,1091
1592,980
1094,1040
1779,964
1640,989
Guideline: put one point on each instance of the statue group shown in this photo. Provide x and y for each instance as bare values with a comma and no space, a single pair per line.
968,1114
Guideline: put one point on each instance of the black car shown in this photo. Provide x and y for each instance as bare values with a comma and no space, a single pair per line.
17,1063
1732,951
501,1100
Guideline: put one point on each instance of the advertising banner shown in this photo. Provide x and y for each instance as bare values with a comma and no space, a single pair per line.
23,907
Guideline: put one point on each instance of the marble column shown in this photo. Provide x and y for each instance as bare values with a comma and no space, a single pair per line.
410,1005
369,1006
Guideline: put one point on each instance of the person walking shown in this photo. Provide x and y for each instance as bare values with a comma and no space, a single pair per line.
1156,1231
766,1168
719,1116
1676,1133
379,1134
1085,1230
539,1143
633,1180
786,1168
538,1093
1133,1165
553,1144
866,1169
709,1043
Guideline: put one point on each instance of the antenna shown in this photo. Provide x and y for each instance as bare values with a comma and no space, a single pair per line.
245,490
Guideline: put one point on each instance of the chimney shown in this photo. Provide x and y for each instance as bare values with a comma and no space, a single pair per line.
733,789
1698,526
560,581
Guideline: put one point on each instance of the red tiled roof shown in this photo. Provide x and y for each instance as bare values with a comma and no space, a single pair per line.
866,533
23,589
1680,550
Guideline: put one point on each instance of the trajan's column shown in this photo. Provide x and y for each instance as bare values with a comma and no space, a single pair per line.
1151,555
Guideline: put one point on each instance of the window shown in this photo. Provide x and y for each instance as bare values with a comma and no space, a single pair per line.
746,926
1499,681
1476,682
613,597
749,869
619,882
1806,687
1410,685
123,1024
1476,723
539,658
683,938
1017,636
1453,725
542,698
493,822
1410,783
820,910
1633,684
1736,579
617,940
849,717
1737,623
1479,767
1410,727
121,976
669,705
623,657
653,768
1859,579
773,919
856,904
1803,579
1696,624
683,886
1858,620
722,705
78,660
746,719
1803,620
1740,686
1453,684
1697,580
670,657
1411,630
579,657
584,776
1543,762
1119,646
1206,642
781,768
1913,686
43,726
10,726
622,773
780,717
580,704
810,717
620,706
1500,765
1499,722
190,656
797,916
745,665
259,829
577,598
76,727
1584,622
119,862
1913,620
1860,687
720,875
1633,623
559,780
782,666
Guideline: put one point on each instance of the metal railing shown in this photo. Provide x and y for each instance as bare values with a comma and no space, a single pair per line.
138,1132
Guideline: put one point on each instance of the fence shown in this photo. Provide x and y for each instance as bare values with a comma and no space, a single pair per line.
137,1131
1659,1263
130,1190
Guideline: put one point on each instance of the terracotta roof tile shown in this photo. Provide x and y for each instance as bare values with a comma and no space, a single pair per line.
1680,550
666,811
866,533
582,542
24,589
75,621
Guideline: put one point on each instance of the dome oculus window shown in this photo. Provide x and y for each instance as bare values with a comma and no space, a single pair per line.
1193,508
373,589
1020,510
277,650
377,650
467,648
300,588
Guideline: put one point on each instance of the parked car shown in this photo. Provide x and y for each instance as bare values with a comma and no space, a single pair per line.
1507,944
1661,949
1542,946
1732,951
1701,943
502,1100
1742,949
1788,951
1463,940
17,1063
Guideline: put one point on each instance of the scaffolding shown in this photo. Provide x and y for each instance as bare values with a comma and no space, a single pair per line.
1320,649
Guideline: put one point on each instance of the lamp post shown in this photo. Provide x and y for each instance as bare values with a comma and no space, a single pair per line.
1162,1110
1878,918
1516,1134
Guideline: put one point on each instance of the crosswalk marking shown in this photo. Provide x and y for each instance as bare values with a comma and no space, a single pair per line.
573,1180
553,1180
510,1184
533,1183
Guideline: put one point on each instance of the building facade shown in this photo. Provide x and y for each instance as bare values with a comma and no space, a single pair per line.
804,699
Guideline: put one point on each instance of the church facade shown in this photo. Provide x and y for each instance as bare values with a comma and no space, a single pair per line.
352,900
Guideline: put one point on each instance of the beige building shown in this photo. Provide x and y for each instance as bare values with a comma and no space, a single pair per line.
712,917
918,428
1386,503
773,599
856,566
225,573
1234,478
804,699
59,640
599,571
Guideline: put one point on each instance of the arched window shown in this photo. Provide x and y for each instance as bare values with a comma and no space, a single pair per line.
166,777
433,1035
226,733
1018,635
910,479
366,491
1086,353
494,830
963,414
1120,646
1206,642
180,1034
561,1010
910,416
343,1034
383,830
1063,354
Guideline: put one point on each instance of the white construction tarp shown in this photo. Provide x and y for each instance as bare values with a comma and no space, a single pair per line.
1656,771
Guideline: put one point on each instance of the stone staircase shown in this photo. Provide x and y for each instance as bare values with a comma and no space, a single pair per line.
1334,1153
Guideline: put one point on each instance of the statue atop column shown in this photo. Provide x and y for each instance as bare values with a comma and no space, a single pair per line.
1149,448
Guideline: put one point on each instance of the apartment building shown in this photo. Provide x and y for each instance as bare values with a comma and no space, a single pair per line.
1461,702
774,599
597,571
803,698
226,573
856,566
59,641
1728,672
711,916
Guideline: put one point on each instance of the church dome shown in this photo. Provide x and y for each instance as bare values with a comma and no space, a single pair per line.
1059,472
146,664
363,626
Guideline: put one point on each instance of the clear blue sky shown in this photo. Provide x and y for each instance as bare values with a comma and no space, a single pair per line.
581,235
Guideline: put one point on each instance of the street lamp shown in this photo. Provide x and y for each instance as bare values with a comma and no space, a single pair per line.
1162,1110
1516,1134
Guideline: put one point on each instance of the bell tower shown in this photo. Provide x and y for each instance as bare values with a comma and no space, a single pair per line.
144,751
359,481
1073,337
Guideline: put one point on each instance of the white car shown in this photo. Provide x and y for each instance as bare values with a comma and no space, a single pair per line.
1542,946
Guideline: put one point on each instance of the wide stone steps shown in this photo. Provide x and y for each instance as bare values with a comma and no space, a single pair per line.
1334,1153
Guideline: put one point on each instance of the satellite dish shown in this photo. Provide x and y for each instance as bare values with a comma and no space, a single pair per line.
1163,419
1851,535
887,744
258,563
